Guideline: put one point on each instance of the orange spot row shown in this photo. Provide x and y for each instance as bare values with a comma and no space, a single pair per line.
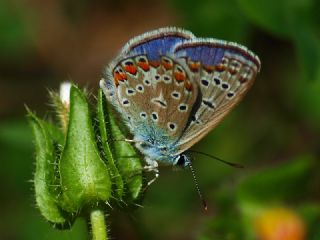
131,69
180,77
209,69
220,68
188,86
167,66
243,79
144,66
233,71
154,63
119,77
194,67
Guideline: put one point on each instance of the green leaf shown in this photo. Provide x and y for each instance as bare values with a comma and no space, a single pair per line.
84,176
106,141
277,183
276,16
128,162
44,177
213,18
16,40
308,51
127,158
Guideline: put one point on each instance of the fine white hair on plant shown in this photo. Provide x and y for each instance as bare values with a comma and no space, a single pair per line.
65,92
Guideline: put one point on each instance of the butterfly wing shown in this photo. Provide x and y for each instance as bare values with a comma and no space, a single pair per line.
224,72
147,86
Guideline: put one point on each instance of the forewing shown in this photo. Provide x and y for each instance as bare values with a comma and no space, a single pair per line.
146,85
224,72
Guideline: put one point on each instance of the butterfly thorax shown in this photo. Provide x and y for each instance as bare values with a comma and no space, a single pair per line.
155,144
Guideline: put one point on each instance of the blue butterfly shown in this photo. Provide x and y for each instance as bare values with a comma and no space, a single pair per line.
171,88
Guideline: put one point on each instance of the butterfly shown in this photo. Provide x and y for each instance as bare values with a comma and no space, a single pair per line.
171,88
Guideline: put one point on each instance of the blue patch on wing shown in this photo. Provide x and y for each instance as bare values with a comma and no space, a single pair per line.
207,55
154,48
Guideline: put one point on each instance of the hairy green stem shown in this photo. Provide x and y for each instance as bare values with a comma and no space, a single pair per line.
98,225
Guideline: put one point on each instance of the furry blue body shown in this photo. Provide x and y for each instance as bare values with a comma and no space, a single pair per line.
155,144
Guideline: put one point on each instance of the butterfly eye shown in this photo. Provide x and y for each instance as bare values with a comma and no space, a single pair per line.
181,160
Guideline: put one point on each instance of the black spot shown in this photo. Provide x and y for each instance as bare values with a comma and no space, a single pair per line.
176,95
161,103
125,102
209,104
120,70
193,118
140,88
225,85
157,77
183,107
230,94
166,78
166,60
143,114
142,60
129,118
154,116
130,91
172,126
110,94
204,82
129,63
217,81
235,64
147,82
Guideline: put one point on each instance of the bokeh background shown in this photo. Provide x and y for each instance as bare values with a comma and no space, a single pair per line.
274,132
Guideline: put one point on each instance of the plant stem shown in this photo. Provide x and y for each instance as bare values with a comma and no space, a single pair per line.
98,225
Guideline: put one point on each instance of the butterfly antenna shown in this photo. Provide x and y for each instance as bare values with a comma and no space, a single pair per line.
204,203
236,165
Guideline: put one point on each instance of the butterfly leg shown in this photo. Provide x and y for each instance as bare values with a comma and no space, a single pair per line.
151,167
127,140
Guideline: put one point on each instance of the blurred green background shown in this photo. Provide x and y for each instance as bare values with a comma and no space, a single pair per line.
274,132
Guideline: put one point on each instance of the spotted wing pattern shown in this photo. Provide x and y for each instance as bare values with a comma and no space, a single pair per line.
176,82
147,86
224,73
